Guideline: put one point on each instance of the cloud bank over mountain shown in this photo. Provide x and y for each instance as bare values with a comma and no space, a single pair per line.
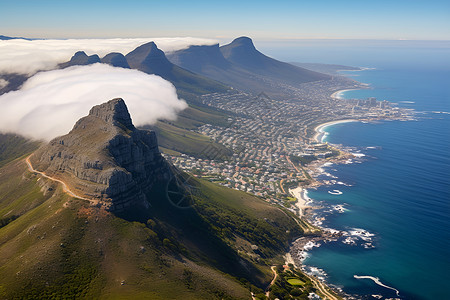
27,57
49,103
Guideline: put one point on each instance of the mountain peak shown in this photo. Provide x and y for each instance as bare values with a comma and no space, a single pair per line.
243,41
81,58
148,58
105,158
145,51
241,50
116,60
114,112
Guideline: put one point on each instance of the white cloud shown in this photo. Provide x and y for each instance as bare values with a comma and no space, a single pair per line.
49,103
3,83
28,57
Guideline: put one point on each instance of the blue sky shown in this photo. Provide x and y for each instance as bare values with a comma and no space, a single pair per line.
262,20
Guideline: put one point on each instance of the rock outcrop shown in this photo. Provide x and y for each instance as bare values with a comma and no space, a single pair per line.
116,60
104,157
80,58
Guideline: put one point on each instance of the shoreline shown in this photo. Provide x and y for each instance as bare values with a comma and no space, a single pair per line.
298,193
336,95
320,132
300,247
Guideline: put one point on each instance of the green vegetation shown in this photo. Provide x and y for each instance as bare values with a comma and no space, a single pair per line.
195,116
291,283
295,281
192,83
176,137
6,220
19,191
59,247
181,140
54,246
13,146
235,214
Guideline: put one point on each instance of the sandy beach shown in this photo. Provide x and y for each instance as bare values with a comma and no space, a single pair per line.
337,94
301,201
320,130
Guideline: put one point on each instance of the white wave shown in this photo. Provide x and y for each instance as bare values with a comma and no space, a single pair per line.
358,154
309,245
349,241
343,183
305,195
340,208
329,175
377,281
327,164
362,234
441,112
335,192
368,245
331,230
317,272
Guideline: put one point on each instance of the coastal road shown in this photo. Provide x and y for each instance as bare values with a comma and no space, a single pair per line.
319,285
65,187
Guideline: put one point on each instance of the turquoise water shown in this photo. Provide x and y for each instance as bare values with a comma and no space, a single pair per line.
400,192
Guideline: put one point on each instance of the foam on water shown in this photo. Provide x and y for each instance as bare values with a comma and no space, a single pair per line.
377,281
335,192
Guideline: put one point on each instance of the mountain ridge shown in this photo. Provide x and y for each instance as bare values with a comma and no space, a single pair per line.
240,65
243,52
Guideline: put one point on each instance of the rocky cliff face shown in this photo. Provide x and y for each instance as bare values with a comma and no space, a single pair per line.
104,157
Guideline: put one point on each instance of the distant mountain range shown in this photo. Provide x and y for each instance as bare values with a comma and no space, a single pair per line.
149,59
4,37
240,65
210,68
205,69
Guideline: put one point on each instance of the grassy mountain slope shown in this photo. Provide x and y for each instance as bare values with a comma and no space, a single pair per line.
174,139
65,249
13,146
58,246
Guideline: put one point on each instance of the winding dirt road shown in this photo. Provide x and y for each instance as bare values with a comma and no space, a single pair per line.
65,187
275,276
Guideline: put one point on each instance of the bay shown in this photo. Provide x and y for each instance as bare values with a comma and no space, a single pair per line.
400,191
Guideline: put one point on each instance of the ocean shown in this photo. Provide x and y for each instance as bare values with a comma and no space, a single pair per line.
394,201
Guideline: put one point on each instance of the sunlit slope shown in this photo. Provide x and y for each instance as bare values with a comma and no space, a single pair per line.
62,247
